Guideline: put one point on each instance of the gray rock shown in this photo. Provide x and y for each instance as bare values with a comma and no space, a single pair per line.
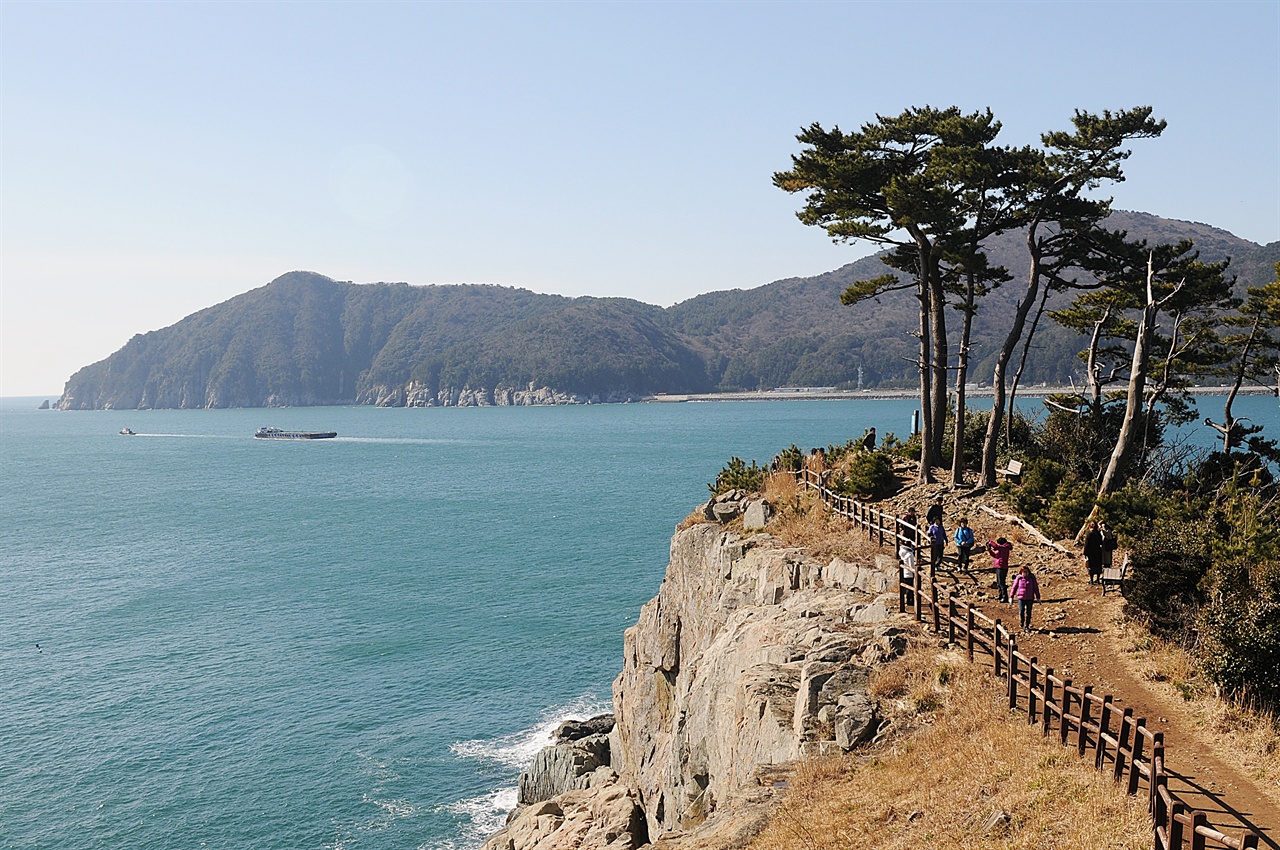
557,769
757,514
726,511
572,730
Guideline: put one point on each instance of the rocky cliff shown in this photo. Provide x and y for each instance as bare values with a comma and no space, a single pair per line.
750,656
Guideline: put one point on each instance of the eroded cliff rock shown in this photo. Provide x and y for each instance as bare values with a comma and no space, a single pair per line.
750,656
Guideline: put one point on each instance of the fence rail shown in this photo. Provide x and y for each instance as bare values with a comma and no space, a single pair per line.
1119,742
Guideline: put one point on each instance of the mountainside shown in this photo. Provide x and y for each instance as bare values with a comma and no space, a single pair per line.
305,339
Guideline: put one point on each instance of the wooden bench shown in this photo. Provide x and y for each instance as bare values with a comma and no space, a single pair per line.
1013,471
1114,577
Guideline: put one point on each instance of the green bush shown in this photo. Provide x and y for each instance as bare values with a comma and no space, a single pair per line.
1240,635
736,475
1164,587
868,475
791,459
1070,506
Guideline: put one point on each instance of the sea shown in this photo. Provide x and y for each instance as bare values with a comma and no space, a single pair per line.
209,640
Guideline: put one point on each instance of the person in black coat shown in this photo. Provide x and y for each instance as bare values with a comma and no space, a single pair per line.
1093,553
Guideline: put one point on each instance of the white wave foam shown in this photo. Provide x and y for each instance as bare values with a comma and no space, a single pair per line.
518,749
484,815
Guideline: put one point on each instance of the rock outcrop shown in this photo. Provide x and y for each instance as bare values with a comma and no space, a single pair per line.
750,657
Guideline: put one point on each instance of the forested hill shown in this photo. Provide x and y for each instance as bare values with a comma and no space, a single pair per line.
305,339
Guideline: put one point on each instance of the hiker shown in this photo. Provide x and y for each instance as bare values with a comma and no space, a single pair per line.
934,514
907,557
937,544
1027,591
1093,553
869,440
1109,544
907,525
964,543
999,550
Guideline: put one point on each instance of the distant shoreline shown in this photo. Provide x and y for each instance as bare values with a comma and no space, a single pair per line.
845,395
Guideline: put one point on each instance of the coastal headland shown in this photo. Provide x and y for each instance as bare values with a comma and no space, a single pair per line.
765,654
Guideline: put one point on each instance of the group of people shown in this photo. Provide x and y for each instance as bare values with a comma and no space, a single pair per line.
1099,548
1025,589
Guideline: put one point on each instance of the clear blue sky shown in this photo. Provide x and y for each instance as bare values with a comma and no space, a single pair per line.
158,158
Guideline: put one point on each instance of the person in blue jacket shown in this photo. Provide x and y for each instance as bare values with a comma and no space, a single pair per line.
964,543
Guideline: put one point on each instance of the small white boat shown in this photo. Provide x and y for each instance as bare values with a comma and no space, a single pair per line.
128,432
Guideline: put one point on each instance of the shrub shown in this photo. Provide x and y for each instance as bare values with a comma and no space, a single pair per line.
791,458
1240,633
868,475
1164,586
736,475
1070,506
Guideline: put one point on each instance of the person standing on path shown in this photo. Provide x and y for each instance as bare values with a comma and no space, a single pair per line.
1093,553
934,514
964,543
999,551
1109,544
907,550
1027,591
937,545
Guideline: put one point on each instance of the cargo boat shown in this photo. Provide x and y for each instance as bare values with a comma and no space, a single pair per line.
279,434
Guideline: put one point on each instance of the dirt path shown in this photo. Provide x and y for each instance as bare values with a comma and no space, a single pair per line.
1079,636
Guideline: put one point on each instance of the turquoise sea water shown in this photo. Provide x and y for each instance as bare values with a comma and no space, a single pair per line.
350,643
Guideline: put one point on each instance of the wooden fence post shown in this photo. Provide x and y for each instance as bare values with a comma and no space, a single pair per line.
933,607
1082,736
1122,744
1104,729
1031,690
1064,713
1011,670
1135,755
996,659
1047,704
951,617
1174,827
1198,819
1157,766
968,630
919,591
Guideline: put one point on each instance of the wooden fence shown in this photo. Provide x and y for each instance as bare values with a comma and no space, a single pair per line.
1092,724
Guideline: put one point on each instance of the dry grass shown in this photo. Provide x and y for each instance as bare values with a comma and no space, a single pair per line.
803,521
1244,736
945,785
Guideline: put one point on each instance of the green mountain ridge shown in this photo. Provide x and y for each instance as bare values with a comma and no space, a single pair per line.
305,339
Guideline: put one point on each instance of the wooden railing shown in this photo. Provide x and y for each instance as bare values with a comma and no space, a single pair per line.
1092,724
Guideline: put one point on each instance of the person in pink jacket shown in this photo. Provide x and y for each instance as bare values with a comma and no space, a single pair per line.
999,550
1027,591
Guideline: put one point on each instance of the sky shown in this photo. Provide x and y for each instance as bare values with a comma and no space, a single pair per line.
159,158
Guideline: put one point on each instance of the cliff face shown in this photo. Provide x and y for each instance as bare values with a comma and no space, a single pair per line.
750,656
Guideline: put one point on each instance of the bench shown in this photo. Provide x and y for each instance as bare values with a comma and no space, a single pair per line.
1114,577
1013,471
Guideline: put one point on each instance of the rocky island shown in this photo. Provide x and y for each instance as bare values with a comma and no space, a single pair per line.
751,656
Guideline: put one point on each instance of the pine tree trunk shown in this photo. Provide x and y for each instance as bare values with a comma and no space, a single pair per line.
939,327
962,375
1021,311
